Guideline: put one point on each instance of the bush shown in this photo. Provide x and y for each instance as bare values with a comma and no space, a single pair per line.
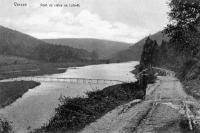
5,126
76,113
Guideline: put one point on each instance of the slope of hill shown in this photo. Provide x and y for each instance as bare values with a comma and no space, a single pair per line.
10,60
19,44
104,48
134,52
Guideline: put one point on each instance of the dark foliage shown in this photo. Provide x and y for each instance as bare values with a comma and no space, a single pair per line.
18,44
105,49
58,53
5,126
94,55
76,113
184,27
149,54
134,52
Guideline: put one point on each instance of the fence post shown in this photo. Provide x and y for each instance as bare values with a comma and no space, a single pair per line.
188,116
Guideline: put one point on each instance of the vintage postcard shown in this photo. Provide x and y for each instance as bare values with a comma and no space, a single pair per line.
99,66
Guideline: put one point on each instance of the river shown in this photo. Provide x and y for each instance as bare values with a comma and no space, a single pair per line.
37,106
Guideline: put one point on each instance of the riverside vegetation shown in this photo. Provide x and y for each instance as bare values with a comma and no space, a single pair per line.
23,55
73,114
13,66
9,92
182,52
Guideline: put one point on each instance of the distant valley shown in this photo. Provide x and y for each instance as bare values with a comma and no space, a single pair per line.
104,48
14,43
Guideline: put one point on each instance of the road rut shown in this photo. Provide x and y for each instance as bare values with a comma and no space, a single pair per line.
161,111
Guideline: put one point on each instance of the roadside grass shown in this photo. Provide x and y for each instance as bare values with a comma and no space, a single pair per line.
178,126
191,87
170,127
73,114
10,91
184,125
5,126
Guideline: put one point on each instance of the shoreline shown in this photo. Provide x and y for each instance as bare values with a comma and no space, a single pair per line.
11,91
114,102
40,69
74,114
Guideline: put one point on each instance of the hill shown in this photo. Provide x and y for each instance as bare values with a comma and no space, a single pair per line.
104,48
15,43
133,53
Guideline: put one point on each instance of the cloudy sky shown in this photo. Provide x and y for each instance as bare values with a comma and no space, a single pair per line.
119,20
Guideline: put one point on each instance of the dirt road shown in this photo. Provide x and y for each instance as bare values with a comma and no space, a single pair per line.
166,104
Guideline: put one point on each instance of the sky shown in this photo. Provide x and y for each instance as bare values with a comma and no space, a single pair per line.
118,20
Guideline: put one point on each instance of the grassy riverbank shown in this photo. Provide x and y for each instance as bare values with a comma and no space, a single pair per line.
15,67
10,91
74,114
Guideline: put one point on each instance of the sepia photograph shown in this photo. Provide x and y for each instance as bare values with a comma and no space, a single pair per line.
99,66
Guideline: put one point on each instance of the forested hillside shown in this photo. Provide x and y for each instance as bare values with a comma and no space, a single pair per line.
135,51
105,49
15,43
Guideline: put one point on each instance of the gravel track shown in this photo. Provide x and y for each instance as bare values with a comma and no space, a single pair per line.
161,111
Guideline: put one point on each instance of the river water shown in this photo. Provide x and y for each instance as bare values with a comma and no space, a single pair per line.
37,106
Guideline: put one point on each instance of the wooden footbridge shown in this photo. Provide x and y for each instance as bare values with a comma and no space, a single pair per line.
68,80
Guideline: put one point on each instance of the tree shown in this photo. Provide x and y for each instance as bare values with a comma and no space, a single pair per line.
149,54
94,55
184,25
